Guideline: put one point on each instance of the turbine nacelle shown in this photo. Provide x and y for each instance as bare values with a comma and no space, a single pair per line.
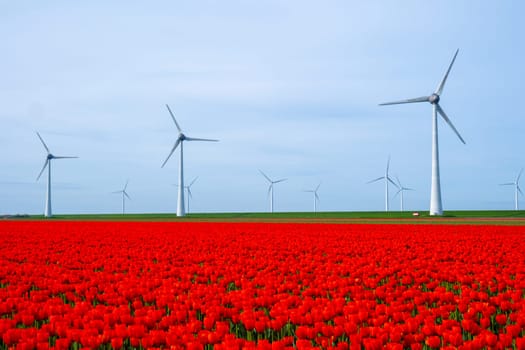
433,99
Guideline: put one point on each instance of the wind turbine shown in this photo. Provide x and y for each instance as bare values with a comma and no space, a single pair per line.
316,197
124,195
387,179
188,188
516,189
180,140
270,188
47,211
401,190
436,207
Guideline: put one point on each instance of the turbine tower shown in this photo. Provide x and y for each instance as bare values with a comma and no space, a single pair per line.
436,207
180,140
387,179
316,197
401,190
270,188
124,195
517,189
47,211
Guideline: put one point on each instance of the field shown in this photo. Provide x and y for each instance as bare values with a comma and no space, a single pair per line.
479,217
72,284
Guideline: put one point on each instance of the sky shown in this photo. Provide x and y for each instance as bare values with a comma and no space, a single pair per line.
288,87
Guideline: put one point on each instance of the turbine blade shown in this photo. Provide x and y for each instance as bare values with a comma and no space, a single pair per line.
281,180
409,100
317,197
63,157
379,178
173,117
263,174
309,191
397,193
172,150
317,187
442,112
408,189
126,185
189,193
444,80
126,194
191,183
388,164
519,190
116,192
399,182
198,139
43,143
392,182
43,168
269,190
519,175
508,184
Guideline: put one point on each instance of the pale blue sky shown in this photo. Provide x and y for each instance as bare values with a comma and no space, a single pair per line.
290,87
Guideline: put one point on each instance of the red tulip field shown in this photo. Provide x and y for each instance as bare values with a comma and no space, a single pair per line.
197,285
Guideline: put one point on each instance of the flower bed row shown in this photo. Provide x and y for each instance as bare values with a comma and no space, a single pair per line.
71,285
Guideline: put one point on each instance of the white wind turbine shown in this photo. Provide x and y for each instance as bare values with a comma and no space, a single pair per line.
47,211
180,140
400,191
124,195
315,195
188,189
436,207
517,189
270,188
387,179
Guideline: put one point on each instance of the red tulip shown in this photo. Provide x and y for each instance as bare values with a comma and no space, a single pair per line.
501,319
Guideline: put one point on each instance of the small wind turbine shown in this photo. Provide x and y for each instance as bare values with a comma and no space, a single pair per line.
436,207
401,190
124,195
316,197
47,211
188,188
180,140
516,189
387,179
270,188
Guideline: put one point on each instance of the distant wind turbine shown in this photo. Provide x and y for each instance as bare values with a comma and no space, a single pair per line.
188,189
516,189
180,140
270,188
124,195
400,191
436,207
47,211
316,197
387,179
